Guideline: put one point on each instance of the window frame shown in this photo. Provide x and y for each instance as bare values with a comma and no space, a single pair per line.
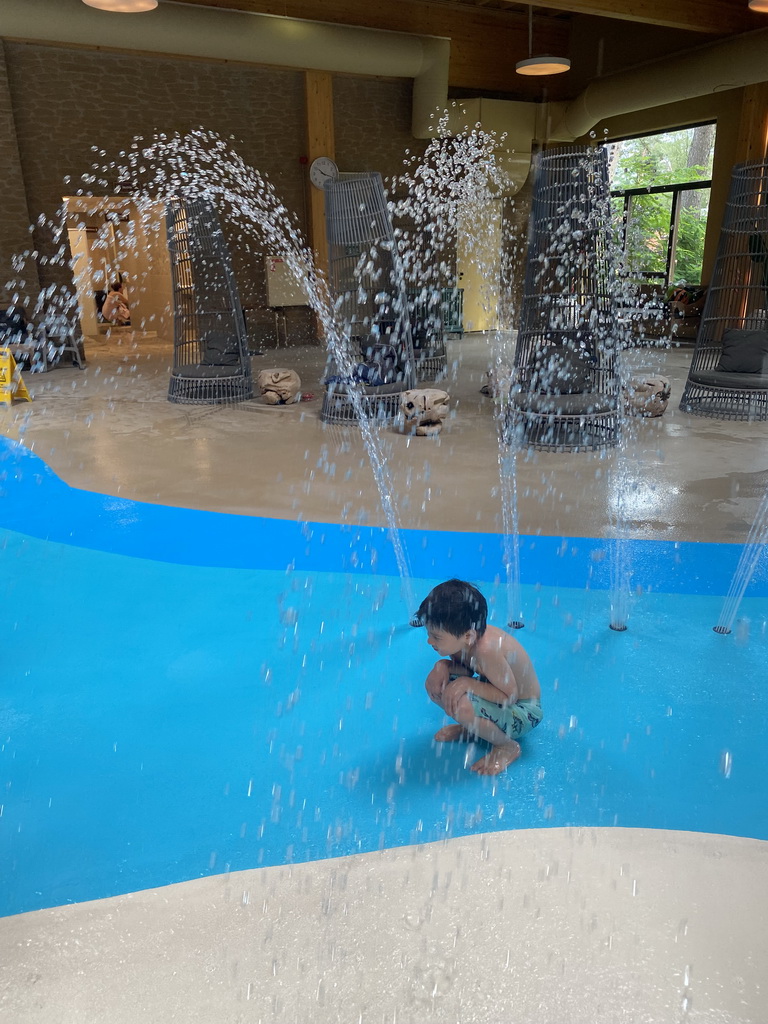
674,215
674,219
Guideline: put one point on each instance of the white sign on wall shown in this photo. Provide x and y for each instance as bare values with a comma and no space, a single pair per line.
283,288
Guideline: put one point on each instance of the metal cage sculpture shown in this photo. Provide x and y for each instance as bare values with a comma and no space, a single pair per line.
427,312
565,391
211,364
728,376
368,287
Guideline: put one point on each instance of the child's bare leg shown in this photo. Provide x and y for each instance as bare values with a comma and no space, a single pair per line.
502,754
504,750
437,680
453,734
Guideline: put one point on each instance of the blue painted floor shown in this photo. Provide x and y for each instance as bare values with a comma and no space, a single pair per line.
162,720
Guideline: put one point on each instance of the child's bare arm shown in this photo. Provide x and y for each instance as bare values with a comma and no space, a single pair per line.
458,668
443,673
438,679
454,692
502,684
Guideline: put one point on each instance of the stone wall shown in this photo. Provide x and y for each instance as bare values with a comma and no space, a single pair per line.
59,102
67,100
373,124
373,134
14,223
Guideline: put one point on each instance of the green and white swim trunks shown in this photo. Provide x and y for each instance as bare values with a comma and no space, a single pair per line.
514,720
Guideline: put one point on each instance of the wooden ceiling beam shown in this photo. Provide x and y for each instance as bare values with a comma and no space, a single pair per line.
431,17
449,17
487,41
716,17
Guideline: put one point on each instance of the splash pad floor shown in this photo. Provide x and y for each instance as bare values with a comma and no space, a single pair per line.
209,720
204,718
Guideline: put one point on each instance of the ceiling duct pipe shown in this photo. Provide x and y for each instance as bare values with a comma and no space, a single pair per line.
736,62
182,30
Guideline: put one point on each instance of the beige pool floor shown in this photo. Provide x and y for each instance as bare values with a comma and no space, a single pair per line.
111,429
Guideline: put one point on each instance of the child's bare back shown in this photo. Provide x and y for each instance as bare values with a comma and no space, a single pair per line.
495,642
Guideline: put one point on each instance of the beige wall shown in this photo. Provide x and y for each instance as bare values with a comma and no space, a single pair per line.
514,254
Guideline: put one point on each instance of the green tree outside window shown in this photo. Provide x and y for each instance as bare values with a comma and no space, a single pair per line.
670,158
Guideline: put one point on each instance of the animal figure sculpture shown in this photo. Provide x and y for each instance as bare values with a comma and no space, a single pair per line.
648,396
424,410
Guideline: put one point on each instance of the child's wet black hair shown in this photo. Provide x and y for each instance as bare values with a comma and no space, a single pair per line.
454,606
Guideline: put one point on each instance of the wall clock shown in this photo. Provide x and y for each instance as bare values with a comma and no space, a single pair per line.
321,170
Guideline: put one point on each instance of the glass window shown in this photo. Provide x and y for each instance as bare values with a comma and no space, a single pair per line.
660,187
669,158
689,243
647,237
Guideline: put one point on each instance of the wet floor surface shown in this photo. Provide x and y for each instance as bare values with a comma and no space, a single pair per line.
110,428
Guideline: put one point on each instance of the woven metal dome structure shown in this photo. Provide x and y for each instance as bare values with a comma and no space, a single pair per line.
427,310
565,392
368,286
728,377
211,364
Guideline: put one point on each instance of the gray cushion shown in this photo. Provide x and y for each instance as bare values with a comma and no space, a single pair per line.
200,370
558,370
744,351
565,405
730,381
219,347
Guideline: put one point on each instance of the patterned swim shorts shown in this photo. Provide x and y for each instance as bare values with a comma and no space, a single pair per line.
514,720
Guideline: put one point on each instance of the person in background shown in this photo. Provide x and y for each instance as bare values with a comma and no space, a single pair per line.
13,323
115,309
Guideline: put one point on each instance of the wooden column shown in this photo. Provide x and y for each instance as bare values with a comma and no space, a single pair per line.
318,86
752,143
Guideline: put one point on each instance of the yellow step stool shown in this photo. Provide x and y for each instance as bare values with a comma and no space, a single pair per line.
11,384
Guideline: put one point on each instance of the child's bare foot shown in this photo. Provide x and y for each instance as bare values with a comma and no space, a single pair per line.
497,760
452,734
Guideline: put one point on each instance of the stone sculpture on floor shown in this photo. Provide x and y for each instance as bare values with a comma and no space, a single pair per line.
648,396
279,386
424,410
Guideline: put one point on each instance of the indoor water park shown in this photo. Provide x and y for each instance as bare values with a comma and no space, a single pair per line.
374,395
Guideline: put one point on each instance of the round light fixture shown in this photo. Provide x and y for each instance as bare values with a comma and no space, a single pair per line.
759,5
123,6
544,65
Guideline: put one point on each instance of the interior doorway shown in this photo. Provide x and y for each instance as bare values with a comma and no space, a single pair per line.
113,240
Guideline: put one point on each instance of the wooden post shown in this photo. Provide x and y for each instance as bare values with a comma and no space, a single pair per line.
318,87
752,142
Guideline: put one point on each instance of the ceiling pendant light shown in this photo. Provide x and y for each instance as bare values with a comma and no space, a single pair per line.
123,6
759,5
546,64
